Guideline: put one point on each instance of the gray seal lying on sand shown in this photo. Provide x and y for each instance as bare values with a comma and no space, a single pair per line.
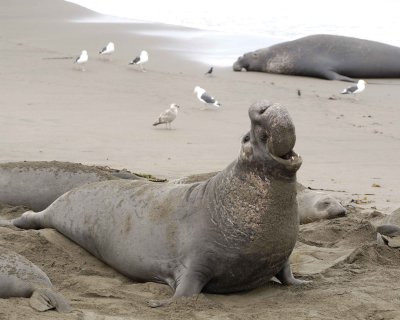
389,232
325,56
315,205
21,278
230,233
37,184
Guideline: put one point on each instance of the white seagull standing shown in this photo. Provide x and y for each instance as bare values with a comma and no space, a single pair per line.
359,87
167,116
143,58
82,59
108,49
206,98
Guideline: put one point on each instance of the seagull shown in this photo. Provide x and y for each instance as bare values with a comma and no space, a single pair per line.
82,59
209,72
359,87
108,49
206,98
143,58
167,116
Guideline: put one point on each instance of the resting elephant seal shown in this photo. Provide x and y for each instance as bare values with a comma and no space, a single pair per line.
230,233
325,56
314,206
37,184
389,232
21,278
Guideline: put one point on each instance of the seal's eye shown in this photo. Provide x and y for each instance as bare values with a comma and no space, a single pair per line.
263,109
246,138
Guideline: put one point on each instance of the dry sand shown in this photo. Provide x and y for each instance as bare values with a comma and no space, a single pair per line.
52,111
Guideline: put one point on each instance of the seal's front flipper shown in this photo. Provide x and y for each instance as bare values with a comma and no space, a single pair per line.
285,276
189,284
46,299
332,75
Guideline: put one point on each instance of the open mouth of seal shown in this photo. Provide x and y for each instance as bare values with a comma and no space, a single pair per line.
288,159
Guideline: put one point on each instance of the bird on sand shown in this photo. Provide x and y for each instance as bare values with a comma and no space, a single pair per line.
139,60
205,98
167,116
108,49
82,59
359,87
210,71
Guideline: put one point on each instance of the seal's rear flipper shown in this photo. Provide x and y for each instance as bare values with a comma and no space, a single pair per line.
46,299
29,220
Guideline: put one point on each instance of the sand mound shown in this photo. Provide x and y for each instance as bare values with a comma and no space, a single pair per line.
352,277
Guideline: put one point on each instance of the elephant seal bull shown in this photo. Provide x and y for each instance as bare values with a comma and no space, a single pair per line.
312,205
37,184
325,56
230,233
21,278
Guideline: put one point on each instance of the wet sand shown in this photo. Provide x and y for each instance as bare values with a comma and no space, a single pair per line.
50,110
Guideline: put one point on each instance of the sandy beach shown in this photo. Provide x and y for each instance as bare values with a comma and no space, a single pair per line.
50,110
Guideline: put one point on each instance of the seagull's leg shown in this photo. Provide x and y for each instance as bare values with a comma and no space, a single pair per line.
141,66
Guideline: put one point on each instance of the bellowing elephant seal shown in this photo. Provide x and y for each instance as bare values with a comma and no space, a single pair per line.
230,233
37,184
21,278
312,205
325,56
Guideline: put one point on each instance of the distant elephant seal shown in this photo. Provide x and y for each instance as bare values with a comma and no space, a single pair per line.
21,278
325,56
230,233
37,184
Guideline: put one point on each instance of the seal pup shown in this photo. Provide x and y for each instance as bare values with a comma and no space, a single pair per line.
231,233
21,278
325,56
315,206
389,232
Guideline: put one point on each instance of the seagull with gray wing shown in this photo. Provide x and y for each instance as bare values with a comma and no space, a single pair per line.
107,50
139,60
82,59
359,87
205,98
167,116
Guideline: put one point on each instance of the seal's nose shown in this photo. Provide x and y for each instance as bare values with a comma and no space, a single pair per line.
257,109
342,213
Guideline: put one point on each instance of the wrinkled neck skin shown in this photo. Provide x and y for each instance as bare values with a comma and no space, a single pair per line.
249,199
